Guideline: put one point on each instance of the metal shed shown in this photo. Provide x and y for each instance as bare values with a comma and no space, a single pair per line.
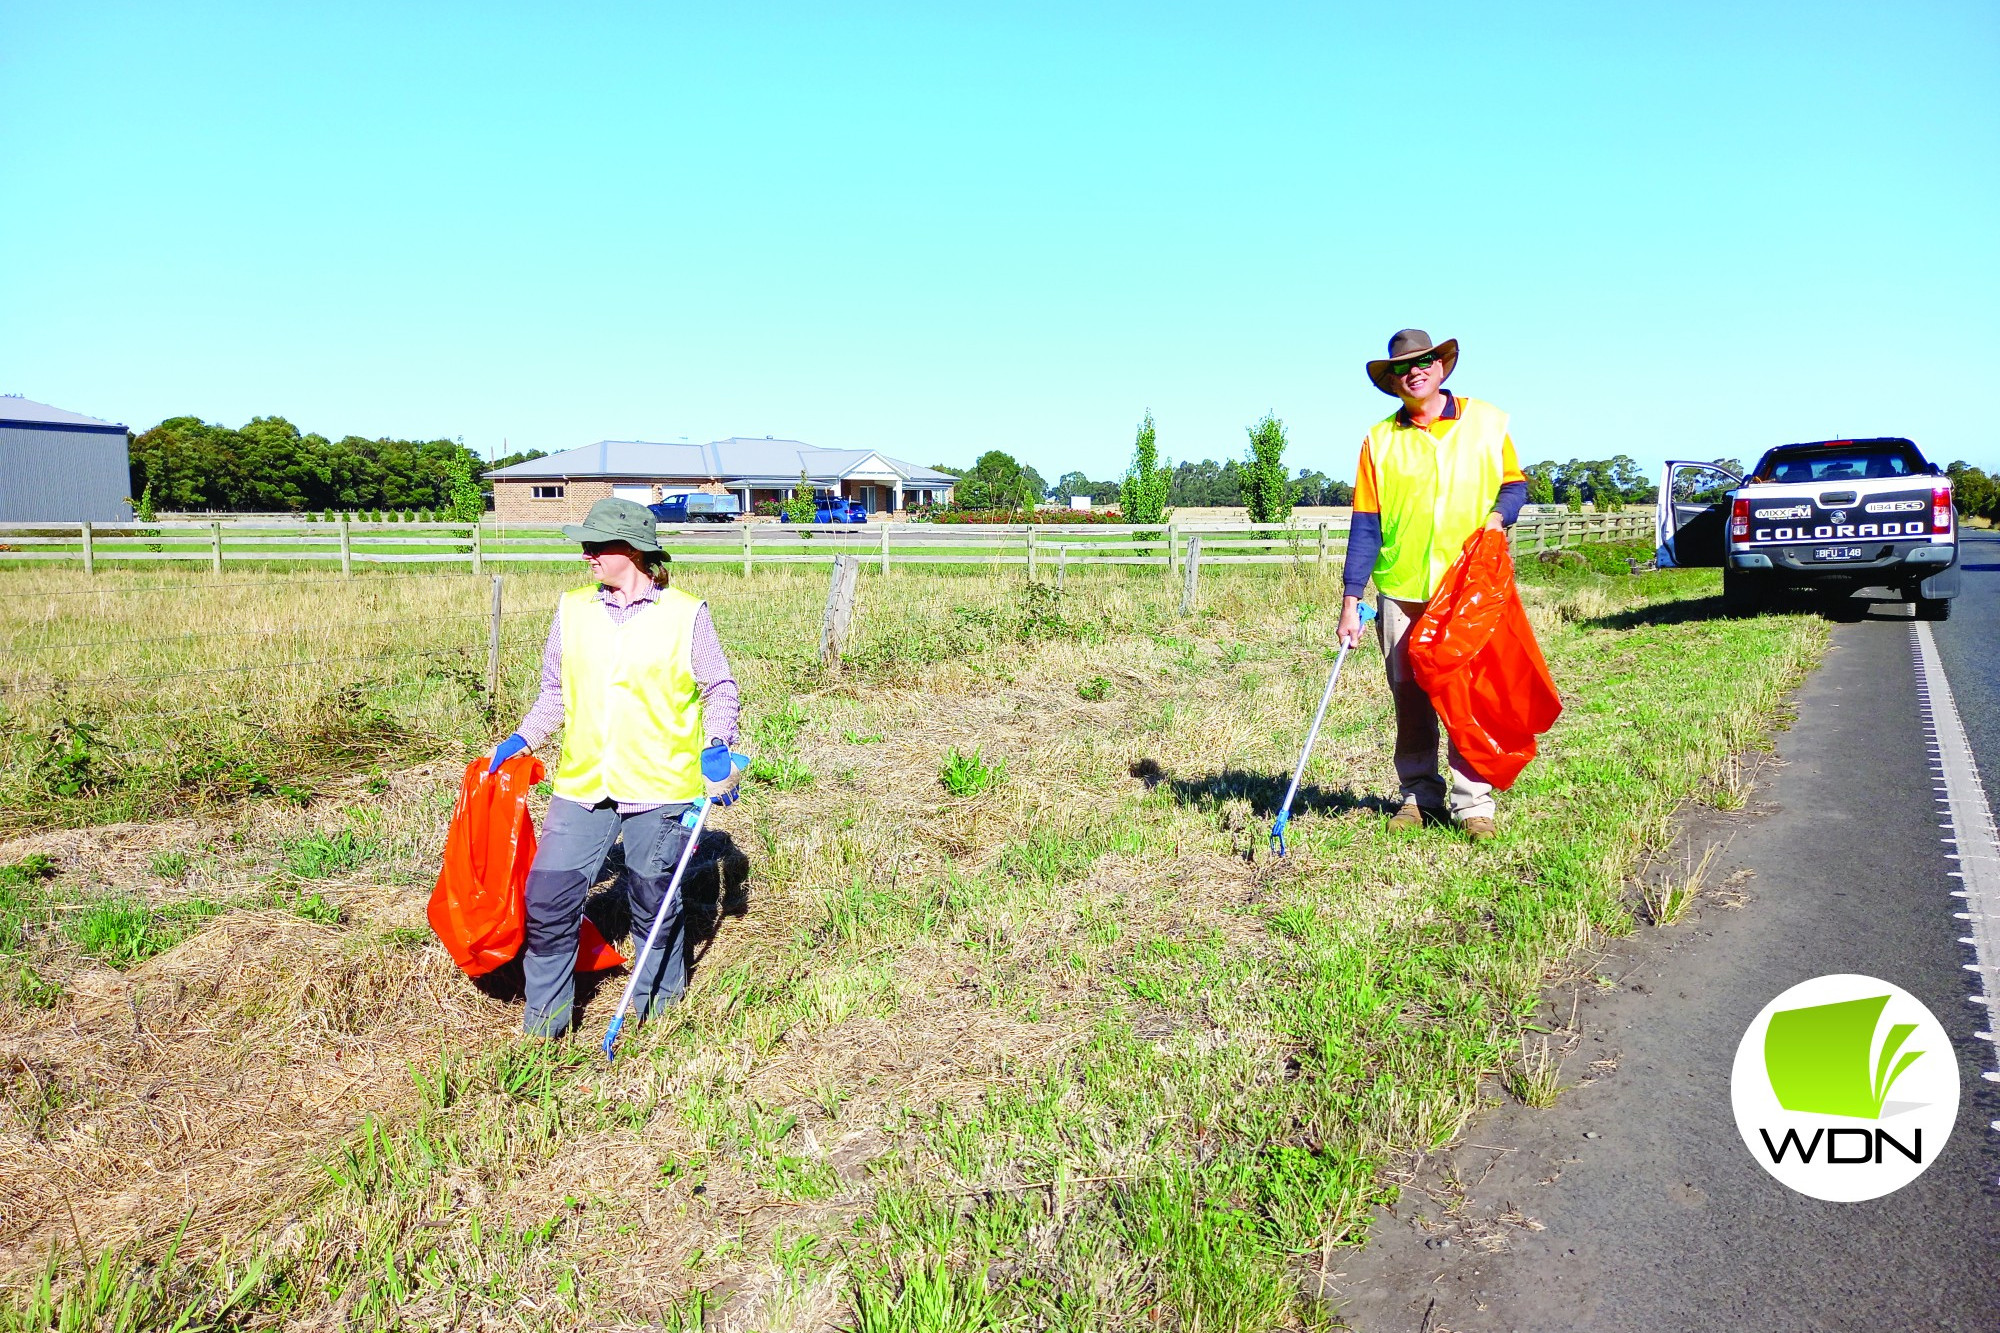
61,467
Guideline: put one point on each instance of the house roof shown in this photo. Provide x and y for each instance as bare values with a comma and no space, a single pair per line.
18,411
736,459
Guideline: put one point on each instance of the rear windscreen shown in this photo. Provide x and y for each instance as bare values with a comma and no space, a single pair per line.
1839,465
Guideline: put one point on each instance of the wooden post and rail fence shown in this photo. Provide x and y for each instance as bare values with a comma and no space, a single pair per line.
1168,545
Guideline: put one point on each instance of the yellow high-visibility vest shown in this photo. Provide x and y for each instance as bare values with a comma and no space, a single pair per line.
1435,490
631,706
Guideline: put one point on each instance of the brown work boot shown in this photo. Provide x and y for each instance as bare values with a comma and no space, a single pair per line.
1408,819
1479,828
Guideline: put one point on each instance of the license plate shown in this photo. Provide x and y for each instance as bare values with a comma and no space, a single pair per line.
1837,553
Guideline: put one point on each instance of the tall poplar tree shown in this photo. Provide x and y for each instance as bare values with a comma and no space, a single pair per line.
1143,497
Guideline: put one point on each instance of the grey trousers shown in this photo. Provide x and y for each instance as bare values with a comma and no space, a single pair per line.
1417,727
575,840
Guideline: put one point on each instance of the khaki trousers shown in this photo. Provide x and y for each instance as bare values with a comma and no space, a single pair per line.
1417,727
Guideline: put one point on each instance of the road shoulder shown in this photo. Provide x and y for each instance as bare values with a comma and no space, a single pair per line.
1631,1202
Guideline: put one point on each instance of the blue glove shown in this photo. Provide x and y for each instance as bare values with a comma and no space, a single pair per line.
724,771
506,750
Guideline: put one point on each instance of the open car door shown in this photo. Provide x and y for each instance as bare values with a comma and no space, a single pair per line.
1692,514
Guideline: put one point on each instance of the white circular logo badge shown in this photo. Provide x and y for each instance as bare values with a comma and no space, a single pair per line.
1845,1088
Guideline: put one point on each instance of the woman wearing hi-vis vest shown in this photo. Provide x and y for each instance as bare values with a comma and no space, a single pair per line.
1430,474
634,669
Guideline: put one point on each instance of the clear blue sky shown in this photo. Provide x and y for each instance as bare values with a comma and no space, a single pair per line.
1688,229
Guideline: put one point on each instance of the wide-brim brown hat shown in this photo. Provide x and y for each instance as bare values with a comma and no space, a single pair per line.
1408,345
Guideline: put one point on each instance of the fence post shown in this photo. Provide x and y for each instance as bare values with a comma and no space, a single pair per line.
1193,574
1031,553
1171,557
885,547
493,651
1322,544
89,554
346,549
839,609
1062,565
478,551
215,545
747,525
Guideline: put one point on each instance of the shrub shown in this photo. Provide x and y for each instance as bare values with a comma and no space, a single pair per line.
939,514
1042,613
800,506
970,774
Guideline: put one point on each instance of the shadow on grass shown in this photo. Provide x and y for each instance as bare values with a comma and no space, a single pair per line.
1264,791
716,886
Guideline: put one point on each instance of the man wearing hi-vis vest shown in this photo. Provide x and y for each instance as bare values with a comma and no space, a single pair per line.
635,676
1430,474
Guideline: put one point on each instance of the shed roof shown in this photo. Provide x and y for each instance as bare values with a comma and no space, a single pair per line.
18,411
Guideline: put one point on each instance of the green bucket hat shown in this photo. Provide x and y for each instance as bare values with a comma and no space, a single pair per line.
614,520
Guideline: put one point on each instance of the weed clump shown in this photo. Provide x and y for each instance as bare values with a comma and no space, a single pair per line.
124,931
321,855
966,774
1094,690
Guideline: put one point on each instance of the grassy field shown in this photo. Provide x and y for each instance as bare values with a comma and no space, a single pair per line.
1002,1017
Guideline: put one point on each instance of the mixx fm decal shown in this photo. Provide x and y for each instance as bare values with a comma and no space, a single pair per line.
1845,1088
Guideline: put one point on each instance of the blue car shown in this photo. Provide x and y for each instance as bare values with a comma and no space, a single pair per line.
834,509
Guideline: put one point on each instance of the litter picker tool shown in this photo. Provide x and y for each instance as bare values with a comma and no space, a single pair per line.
1325,698
692,821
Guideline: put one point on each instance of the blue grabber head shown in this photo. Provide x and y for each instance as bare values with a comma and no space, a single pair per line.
1278,834
611,1039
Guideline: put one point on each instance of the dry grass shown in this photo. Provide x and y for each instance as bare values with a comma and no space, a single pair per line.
930,1036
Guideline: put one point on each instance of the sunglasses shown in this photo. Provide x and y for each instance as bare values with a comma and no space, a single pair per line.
600,548
1402,368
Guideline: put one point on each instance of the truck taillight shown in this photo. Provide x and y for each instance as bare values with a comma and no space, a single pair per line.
1739,521
1941,509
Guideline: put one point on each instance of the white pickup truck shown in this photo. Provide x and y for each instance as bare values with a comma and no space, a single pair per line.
1838,515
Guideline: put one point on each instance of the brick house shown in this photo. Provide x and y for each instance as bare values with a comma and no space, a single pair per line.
560,488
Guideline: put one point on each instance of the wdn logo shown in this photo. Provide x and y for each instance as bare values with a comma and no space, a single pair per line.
1832,1052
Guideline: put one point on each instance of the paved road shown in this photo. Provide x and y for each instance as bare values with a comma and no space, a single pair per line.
1654,1217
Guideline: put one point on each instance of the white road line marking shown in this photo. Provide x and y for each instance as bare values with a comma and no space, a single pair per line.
1971,829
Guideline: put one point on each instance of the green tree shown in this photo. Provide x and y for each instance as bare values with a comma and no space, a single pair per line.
1149,480
800,508
1268,496
1076,483
1541,483
996,481
464,501
1973,491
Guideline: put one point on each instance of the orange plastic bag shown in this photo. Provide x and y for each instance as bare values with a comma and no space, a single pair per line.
479,907
1475,654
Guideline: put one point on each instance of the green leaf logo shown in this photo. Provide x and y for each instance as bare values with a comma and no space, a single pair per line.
1818,1058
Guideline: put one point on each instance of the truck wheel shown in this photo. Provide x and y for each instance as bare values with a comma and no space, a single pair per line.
1933,608
1744,593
